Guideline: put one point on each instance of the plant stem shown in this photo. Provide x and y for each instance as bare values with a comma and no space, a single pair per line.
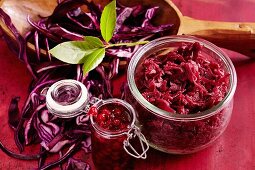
126,44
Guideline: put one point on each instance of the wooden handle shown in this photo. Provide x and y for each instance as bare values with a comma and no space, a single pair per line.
239,37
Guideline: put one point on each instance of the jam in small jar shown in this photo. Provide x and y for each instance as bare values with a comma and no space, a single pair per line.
113,126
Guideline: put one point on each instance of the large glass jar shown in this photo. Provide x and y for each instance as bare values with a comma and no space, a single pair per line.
173,132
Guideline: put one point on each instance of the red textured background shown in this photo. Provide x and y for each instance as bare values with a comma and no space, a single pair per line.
235,149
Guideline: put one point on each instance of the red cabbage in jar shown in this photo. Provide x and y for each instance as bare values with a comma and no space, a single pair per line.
182,89
182,81
110,123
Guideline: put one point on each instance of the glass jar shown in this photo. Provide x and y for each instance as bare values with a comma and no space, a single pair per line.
178,133
112,149
67,98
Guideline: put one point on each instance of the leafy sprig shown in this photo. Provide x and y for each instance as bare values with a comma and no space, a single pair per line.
91,51
108,21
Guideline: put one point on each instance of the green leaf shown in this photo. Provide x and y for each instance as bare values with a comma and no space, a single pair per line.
93,42
93,60
108,21
73,52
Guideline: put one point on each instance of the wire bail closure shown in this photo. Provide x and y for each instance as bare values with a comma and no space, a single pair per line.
132,134
92,101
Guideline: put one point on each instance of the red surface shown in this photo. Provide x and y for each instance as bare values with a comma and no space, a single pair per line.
235,149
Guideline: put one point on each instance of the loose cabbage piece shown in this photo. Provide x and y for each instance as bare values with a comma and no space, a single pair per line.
13,111
77,164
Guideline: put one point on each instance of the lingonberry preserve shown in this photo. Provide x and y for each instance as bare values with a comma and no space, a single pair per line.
111,120
182,89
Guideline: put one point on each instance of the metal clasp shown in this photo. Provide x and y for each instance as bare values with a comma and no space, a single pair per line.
91,102
132,134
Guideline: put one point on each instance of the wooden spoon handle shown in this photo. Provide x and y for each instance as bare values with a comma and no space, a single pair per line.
239,37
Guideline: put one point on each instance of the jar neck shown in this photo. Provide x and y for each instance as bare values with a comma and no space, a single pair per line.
110,133
67,98
67,93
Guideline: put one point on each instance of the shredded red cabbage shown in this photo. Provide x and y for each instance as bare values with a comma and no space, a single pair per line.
14,113
183,81
77,164
34,124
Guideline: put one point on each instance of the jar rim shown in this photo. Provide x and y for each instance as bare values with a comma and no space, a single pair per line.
173,116
108,132
71,109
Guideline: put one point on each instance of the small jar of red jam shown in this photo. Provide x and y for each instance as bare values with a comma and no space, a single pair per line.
113,126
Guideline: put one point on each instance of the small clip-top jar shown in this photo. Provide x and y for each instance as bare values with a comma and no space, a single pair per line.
113,126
